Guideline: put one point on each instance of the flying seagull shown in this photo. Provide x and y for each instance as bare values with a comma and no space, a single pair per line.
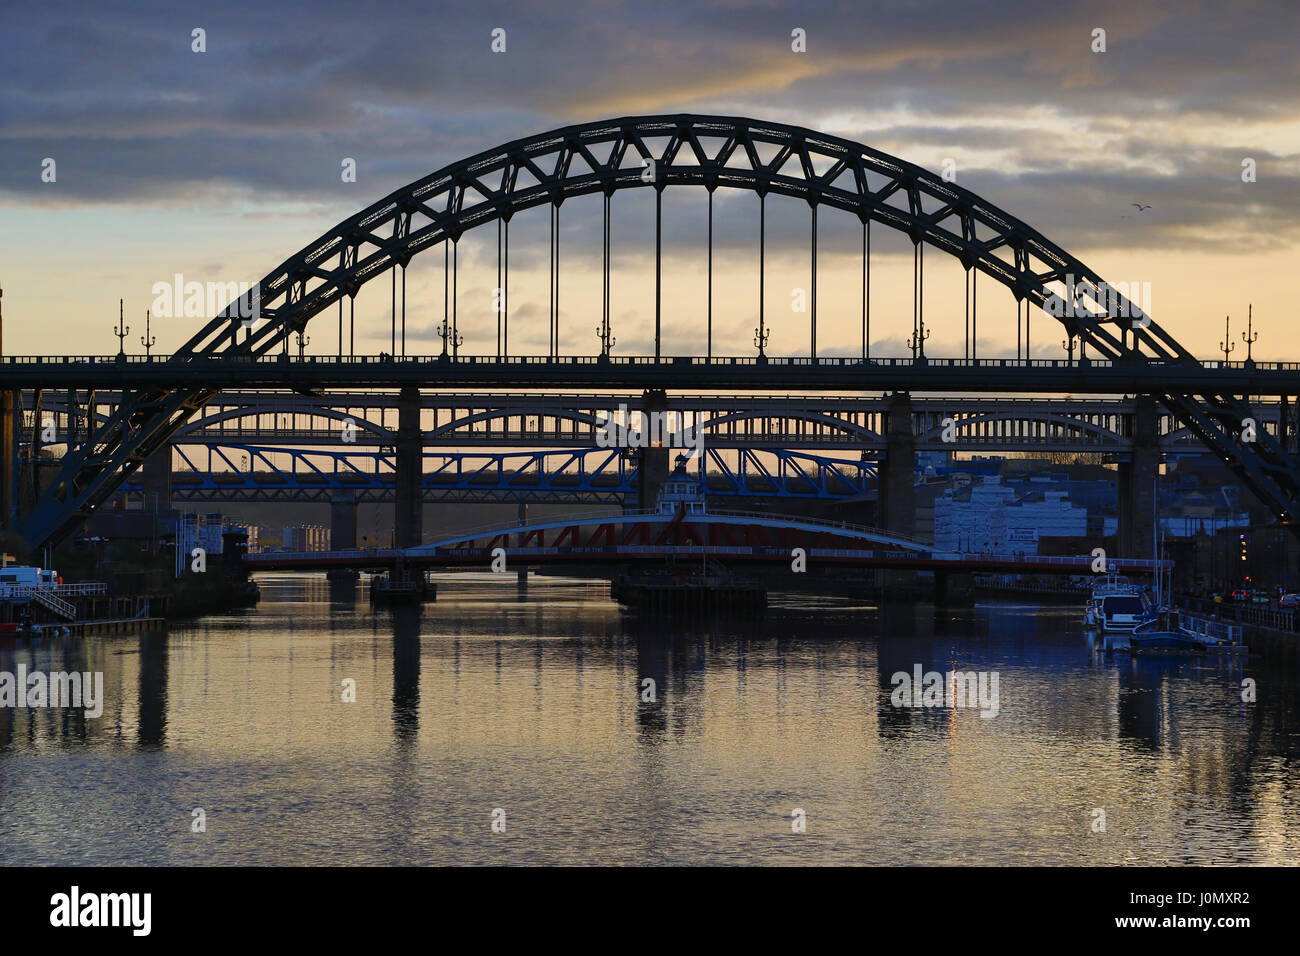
1140,207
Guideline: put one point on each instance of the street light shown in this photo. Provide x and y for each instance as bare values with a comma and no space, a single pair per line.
607,340
122,330
147,340
917,341
1247,336
1227,345
448,334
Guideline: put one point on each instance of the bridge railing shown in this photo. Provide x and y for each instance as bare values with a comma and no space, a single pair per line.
596,401
1149,362
546,401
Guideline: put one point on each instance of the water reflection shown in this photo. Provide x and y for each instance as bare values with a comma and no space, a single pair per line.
610,736
153,690
406,671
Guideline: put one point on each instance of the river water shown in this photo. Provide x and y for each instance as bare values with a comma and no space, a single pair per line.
532,709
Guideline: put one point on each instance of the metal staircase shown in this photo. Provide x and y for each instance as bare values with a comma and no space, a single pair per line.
56,605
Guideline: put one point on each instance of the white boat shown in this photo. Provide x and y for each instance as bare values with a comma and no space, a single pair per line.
1117,606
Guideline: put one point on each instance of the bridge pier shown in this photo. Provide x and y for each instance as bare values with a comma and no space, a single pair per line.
408,512
156,480
897,497
1137,484
343,519
653,463
11,403
521,575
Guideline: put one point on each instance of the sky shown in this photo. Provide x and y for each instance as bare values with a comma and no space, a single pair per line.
220,164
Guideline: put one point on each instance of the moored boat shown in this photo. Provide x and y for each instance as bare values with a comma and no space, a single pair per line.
1166,633
1151,637
1117,606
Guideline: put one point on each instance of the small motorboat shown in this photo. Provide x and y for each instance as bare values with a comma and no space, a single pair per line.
1152,635
1123,612
1165,635
1116,606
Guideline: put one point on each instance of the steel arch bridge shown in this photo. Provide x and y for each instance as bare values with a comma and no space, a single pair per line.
538,421
806,422
607,156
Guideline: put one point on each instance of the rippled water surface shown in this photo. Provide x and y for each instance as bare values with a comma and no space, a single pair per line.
532,703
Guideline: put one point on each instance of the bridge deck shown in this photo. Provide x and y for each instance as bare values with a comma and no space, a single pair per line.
1094,377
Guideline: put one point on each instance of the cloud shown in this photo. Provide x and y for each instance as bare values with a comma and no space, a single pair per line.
1038,124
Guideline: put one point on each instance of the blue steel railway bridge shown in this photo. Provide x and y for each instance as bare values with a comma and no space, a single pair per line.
242,412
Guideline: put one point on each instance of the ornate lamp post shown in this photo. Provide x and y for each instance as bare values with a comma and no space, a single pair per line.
122,330
1227,344
448,334
1250,335
607,340
917,343
147,340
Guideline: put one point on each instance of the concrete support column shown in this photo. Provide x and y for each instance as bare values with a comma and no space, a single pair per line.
73,413
156,480
1137,484
343,519
10,403
1286,425
653,468
897,498
408,515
